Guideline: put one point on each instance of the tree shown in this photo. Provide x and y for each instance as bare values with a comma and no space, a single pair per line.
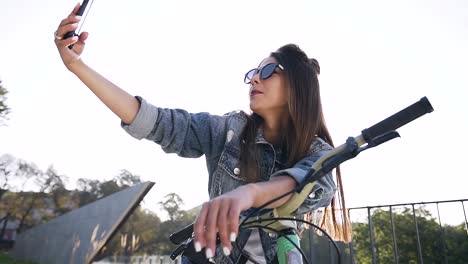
171,205
178,219
30,195
126,179
122,181
457,243
4,110
435,246
15,174
54,184
136,236
6,174
88,191
91,190
143,232
38,201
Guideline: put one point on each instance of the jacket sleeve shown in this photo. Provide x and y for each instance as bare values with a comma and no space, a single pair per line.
177,131
324,189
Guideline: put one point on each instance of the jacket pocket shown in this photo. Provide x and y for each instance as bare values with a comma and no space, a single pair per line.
228,172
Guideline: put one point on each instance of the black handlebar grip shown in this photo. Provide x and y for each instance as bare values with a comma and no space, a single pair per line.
399,119
181,235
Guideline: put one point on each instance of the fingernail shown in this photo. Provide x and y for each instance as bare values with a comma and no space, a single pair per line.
226,251
233,237
209,253
78,17
197,246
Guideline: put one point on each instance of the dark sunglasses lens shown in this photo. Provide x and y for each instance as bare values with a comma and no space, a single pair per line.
268,70
249,75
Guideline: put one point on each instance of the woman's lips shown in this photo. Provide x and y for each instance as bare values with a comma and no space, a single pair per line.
255,92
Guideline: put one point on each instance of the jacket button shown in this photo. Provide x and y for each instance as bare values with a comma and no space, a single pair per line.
236,171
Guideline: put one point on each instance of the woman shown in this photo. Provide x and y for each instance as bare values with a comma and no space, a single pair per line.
251,159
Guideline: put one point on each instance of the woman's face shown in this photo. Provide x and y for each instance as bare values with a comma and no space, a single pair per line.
269,97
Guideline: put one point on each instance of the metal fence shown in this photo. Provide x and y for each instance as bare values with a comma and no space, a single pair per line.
350,258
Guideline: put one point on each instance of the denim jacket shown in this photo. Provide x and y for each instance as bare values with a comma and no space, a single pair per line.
218,139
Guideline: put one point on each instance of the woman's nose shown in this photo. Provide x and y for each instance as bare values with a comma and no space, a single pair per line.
255,78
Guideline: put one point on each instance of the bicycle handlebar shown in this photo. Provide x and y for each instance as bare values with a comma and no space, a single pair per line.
399,119
181,235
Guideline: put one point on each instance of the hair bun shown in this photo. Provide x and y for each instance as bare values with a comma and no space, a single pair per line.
315,65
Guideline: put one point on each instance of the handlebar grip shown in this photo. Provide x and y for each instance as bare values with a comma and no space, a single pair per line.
181,235
399,119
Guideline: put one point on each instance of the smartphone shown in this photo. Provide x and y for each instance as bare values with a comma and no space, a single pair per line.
83,12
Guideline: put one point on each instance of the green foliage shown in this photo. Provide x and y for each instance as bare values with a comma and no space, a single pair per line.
28,207
47,196
457,243
171,205
15,173
323,250
91,190
126,179
5,259
144,233
435,246
137,234
4,109
163,245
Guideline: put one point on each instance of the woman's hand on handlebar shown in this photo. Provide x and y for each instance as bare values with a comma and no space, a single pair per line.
70,56
221,216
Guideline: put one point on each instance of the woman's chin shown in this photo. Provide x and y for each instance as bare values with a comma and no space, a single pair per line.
256,110
253,107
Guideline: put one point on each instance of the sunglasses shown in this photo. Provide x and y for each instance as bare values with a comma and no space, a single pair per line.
265,72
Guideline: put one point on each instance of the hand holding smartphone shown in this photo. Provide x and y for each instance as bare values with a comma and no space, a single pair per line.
82,11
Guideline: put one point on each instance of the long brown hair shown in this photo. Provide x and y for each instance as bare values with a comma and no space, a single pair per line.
305,122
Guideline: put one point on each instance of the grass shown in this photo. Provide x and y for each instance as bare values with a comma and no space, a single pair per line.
5,259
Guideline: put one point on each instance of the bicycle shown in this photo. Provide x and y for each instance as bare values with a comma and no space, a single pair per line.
281,220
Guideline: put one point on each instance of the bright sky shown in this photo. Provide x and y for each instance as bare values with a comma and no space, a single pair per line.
377,57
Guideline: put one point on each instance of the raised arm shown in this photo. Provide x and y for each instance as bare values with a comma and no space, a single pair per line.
124,105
